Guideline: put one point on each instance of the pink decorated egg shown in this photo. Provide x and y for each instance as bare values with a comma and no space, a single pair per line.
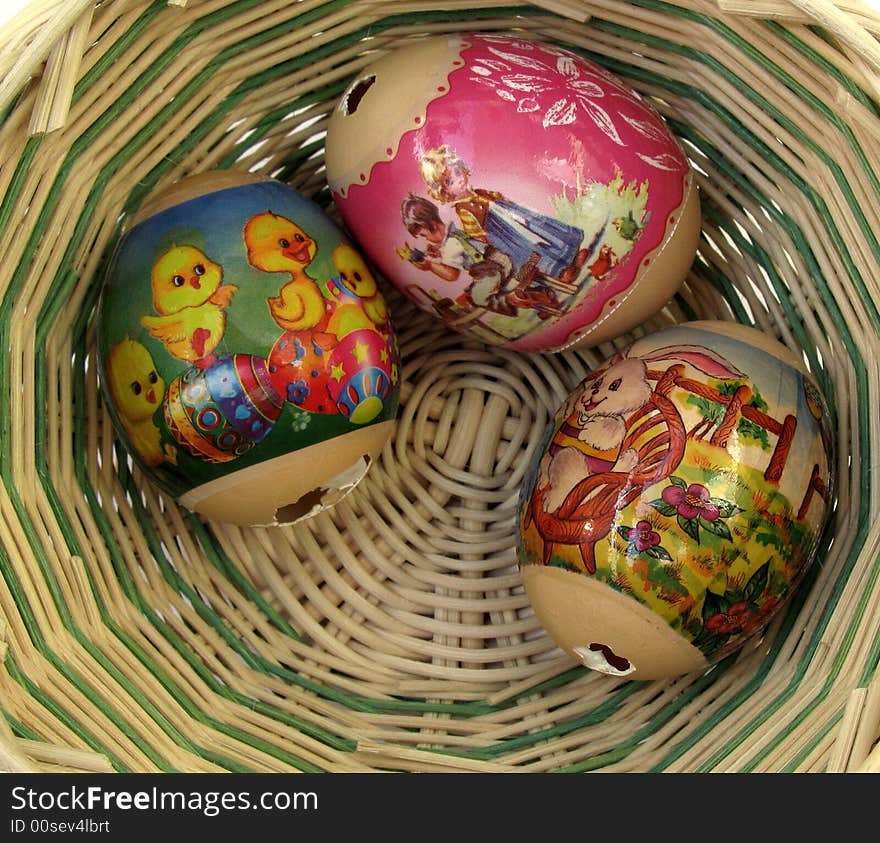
518,191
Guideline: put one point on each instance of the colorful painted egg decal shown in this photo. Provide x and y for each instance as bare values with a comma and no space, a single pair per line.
221,412
677,502
521,193
219,314
298,369
361,375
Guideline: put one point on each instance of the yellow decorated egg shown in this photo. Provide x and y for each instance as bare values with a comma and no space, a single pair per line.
219,316
677,501
515,189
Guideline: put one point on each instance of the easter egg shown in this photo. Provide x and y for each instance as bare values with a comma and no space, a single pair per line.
298,369
218,315
221,412
521,193
677,501
361,375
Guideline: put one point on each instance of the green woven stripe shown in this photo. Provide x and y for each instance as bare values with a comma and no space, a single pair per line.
764,105
823,64
123,43
725,287
597,715
19,728
80,682
13,104
717,279
689,312
662,717
215,555
19,175
801,756
61,714
828,685
281,70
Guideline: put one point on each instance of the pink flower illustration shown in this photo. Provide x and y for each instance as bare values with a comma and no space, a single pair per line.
692,502
643,536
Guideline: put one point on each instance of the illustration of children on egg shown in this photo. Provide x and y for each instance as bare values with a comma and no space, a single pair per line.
190,301
491,217
450,252
138,391
529,266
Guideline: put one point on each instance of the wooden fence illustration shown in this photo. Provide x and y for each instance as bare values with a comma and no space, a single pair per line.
657,432
816,486
736,408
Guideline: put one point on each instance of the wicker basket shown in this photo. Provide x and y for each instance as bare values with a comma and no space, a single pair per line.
392,632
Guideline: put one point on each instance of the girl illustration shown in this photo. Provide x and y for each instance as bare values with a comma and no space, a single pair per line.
491,217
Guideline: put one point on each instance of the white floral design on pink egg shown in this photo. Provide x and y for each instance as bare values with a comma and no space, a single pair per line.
555,82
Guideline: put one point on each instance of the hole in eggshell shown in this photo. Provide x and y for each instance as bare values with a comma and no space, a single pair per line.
611,657
602,658
333,496
356,94
296,510
311,503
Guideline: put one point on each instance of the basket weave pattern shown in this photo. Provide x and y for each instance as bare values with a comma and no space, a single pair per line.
392,632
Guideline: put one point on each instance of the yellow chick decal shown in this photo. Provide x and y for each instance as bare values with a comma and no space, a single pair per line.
277,244
355,275
137,391
190,300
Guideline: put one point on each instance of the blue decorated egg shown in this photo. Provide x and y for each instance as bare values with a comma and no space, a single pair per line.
221,307
220,413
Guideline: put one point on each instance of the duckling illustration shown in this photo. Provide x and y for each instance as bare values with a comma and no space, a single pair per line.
137,391
191,303
357,277
277,244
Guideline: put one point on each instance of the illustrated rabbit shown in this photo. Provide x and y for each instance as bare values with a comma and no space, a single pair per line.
590,439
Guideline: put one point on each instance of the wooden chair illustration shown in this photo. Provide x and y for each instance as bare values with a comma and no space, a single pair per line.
656,431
